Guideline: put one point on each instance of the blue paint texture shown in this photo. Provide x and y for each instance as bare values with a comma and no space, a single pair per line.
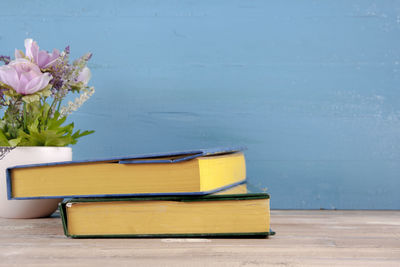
312,88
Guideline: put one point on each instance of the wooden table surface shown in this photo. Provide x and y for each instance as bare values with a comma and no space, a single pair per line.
304,238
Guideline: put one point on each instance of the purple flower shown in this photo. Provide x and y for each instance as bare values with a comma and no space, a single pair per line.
24,76
42,58
84,76
5,59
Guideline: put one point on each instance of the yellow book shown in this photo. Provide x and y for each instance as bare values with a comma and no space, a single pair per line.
177,173
211,215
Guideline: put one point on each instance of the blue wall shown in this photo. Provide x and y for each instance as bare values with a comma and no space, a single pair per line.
311,87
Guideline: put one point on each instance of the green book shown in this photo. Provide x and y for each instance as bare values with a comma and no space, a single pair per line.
168,216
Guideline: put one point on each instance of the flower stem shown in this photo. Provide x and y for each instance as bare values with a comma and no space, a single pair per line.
51,111
59,105
24,117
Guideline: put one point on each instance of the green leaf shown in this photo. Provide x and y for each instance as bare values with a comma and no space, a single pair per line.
3,139
55,123
33,127
15,142
3,85
31,98
38,129
66,129
78,134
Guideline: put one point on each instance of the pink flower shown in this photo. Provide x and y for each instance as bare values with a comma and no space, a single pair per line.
24,76
42,58
84,76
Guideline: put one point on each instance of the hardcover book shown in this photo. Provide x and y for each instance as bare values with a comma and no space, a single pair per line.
198,172
168,216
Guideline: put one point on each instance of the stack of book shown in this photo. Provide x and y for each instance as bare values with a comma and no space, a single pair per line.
192,193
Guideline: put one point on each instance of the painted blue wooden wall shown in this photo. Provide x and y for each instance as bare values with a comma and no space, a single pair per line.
311,87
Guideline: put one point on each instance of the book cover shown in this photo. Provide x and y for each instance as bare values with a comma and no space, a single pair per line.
197,172
168,216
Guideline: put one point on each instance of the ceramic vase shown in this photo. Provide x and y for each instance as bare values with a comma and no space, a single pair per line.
32,208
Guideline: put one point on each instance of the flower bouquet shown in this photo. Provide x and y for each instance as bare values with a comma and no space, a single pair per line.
33,87
33,126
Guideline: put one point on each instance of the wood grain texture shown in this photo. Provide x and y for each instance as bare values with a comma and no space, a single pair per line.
304,238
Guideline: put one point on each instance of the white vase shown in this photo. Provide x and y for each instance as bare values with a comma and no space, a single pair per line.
32,208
